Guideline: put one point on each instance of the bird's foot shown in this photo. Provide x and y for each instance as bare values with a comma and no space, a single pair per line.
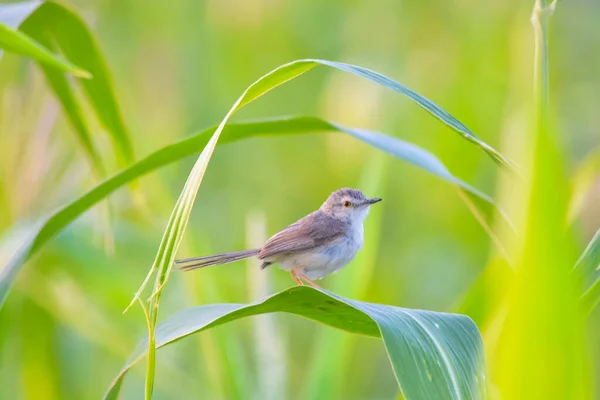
310,282
296,278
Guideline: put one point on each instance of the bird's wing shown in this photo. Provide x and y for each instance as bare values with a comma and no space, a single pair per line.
314,230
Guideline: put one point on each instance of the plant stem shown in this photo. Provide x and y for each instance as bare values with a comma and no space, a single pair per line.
150,364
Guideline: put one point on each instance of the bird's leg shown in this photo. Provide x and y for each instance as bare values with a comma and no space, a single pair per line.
295,277
310,282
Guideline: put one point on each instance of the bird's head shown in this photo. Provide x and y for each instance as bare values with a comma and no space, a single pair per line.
349,205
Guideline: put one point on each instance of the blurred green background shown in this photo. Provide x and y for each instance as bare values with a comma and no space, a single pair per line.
177,68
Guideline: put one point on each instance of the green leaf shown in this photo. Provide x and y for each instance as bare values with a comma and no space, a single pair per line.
588,270
433,355
583,179
14,41
51,25
483,300
588,264
425,103
542,352
487,294
77,43
414,155
64,91
19,43
55,223
296,68
54,23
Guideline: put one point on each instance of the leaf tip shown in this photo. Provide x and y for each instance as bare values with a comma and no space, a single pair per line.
82,73
136,297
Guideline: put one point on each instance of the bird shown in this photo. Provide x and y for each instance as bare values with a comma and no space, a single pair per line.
311,248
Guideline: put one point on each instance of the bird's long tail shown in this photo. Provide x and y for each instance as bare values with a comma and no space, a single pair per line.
217,259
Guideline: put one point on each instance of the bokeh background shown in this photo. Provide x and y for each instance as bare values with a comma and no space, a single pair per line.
177,67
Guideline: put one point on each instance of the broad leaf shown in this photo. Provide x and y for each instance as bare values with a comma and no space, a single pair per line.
233,132
483,299
541,353
433,355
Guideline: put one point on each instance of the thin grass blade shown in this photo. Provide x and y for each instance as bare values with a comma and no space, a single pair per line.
14,41
585,176
64,92
71,35
588,264
19,43
588,270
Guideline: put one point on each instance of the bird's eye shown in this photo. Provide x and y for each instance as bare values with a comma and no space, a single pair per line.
347,204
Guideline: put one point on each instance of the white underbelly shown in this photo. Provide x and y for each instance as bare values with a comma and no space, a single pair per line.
317,263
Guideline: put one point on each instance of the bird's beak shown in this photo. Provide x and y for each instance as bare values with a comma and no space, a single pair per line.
373,200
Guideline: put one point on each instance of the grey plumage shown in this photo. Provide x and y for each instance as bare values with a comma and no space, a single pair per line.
314,230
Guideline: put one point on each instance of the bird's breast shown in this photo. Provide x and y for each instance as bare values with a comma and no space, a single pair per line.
333,256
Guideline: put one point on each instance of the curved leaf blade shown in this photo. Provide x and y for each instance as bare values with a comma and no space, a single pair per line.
19,43
588,264
414,155
14,41
64,92
53,22
434,355
77,43
583,179
424,103
588,270
53,25
296,68
187,147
